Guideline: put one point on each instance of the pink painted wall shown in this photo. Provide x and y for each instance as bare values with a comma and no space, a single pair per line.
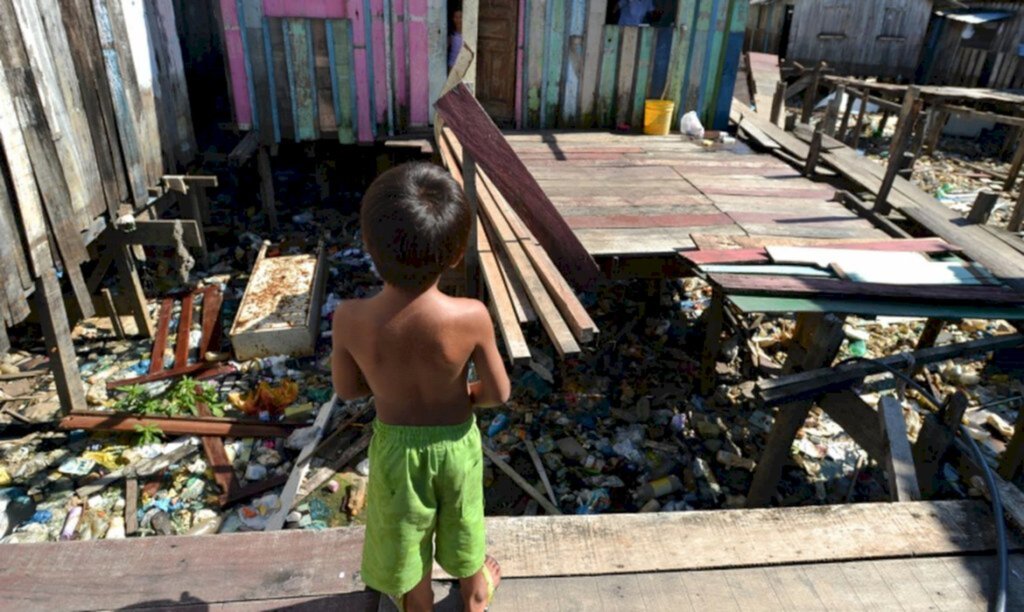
313,9
419,64
355,13
236,63
380,88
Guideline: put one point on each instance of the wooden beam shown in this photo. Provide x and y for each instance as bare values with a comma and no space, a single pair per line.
1015,165
181,348
760,254
60,349
938,117
934,440
245,149
825,333
479,136
858,128
813,153
904,129
163,232
300,467
115,319
813,383
714,320
191,426
984,202
472,260
899,459
778,102
132,288
776,285
267,187
1017,216
501,302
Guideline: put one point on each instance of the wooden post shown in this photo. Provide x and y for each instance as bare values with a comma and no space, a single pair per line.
1013,456
712,342
132,287
190,209
813,152
826,336
472,255
906,165
115,320
844,123
858,129
131,506
982,207
61,351
1017,216
832,112
267,187
778,102
930,333
938,117
935,438
899,461
811,94
1015,165
908,116
883,122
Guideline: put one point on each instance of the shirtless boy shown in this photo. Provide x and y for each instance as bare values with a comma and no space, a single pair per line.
410,346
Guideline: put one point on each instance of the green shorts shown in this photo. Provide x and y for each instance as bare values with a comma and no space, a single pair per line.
426,483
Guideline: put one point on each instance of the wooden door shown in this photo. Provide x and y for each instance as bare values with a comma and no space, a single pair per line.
496,62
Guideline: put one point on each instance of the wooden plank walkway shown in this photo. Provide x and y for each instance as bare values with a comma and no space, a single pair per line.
692,552
635,195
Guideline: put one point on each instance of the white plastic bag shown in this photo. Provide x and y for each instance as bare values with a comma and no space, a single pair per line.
690,125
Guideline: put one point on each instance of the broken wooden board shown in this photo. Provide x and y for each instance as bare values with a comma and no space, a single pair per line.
760,254
287,498
478,134
791,286
888,267
195,426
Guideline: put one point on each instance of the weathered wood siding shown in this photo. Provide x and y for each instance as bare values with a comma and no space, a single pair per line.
860,37
93,111
764,26
379,64
1001,66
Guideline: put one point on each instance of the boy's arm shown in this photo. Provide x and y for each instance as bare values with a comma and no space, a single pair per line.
348,380
492,387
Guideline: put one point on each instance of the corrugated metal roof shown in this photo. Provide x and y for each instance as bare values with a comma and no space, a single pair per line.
976,17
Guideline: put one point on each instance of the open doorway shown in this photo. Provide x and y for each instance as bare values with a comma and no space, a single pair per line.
496,58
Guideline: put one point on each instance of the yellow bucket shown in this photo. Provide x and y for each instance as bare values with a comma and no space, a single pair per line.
658,117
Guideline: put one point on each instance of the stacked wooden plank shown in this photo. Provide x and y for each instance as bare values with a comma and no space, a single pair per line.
522,281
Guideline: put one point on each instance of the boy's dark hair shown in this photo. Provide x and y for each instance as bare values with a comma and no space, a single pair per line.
415,224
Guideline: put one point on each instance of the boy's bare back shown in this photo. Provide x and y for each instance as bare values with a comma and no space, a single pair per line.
412,352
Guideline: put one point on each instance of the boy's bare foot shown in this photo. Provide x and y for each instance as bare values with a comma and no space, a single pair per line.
478,589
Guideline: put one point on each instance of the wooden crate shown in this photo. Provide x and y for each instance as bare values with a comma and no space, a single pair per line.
280,310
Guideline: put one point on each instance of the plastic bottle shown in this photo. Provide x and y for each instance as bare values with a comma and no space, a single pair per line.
660,487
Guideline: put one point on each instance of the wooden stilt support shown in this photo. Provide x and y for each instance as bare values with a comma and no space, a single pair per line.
857,418
267,187
115,320
832,112
908,117
1015,165
714,320
811,95
982,207
778,102
472,255
858,129
845,122
131,506
826,336
58,342
933,132
930,333
899,461
935,438
813,152
1013,457
132,287
1017,216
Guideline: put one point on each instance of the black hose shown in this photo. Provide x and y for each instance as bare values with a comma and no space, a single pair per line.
990,483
